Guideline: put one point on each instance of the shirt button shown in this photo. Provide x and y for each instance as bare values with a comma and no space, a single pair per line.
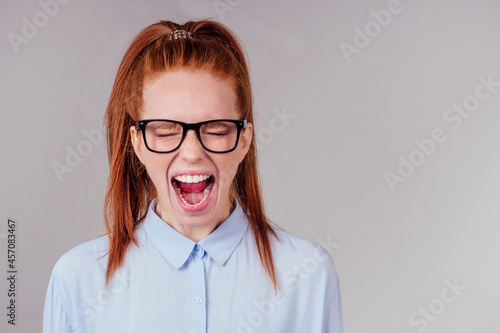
199,300
198,252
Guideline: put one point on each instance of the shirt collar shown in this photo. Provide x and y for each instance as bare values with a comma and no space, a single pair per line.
176,248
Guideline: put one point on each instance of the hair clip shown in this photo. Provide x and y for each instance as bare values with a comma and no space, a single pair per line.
178,34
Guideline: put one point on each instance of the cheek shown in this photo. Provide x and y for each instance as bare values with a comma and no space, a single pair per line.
156,166
227,170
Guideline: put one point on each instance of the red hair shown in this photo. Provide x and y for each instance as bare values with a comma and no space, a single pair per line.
212,48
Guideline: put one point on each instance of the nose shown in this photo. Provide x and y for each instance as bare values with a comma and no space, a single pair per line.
191,149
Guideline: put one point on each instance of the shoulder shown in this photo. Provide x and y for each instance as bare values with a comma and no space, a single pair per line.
91,246
296,245
293,241
84,257
90,259
291,252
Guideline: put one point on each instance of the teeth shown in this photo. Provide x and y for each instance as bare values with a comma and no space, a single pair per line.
191,178
206,192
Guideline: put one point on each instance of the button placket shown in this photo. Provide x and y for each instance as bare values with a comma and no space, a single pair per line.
198,288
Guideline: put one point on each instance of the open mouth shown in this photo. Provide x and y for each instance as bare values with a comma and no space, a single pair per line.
193,190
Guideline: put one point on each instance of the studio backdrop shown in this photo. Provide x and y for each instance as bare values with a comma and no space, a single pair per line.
377,124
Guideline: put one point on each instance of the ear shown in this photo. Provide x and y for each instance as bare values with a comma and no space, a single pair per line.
245,140
136,140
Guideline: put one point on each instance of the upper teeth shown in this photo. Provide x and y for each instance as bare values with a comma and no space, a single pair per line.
191,179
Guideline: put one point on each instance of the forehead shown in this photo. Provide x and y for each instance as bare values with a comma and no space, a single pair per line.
189,96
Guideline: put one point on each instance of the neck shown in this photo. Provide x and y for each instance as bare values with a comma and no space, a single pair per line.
195,232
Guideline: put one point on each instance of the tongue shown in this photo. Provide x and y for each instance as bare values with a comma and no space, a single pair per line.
193,192
193,187
192,198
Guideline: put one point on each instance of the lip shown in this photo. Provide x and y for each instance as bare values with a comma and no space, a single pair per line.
190,173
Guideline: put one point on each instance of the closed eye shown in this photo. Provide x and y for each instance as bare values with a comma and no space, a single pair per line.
216,133
166,135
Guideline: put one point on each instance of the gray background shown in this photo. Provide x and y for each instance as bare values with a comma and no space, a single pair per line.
322,170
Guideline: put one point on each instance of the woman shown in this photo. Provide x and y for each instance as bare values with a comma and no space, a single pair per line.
188,248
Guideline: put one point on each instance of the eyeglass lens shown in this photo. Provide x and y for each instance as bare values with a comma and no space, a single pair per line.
165,136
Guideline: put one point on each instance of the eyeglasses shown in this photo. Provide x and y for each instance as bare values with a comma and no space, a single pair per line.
215,136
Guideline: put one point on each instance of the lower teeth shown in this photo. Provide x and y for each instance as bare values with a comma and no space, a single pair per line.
206,192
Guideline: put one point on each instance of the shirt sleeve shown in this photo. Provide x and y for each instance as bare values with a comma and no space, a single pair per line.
334,322
329,314
56,318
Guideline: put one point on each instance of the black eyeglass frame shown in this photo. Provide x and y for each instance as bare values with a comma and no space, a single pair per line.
240,124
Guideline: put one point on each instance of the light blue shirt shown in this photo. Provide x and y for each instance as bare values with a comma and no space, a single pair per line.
172,284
